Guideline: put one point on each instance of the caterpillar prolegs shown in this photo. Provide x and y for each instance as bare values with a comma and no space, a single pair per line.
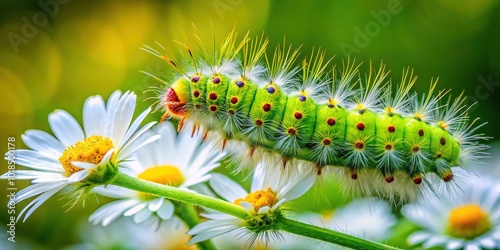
386,139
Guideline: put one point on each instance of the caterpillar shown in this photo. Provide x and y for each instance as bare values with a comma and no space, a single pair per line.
385,138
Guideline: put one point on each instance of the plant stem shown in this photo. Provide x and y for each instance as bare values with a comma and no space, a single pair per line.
174,193
189,215
284,224
327,235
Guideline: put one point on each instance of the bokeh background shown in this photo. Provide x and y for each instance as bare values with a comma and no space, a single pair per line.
55,54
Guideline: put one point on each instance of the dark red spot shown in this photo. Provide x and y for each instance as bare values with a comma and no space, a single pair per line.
231,111
359,145
331,121
197,106
213,108
195,79
212,96
196,93
360,126
258,122
292,131
298,115
391,129
448,177
326,141
421,132
442,141
354,176
389,178
234,100
266,107
388,146
216,80
415,149
439,155
417,180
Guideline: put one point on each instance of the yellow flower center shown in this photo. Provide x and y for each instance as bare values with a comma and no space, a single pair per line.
166,175
259,199
468,222
91,150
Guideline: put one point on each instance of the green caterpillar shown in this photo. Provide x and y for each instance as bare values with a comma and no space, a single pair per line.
377,134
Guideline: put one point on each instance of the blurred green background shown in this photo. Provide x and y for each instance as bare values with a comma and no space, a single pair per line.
53,55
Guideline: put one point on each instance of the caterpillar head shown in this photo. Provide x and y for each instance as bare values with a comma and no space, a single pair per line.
176,97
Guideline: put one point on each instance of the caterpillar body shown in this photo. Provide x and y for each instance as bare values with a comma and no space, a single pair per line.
386,139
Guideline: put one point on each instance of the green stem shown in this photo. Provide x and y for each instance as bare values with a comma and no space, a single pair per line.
327,235
189,215
174,193
284,224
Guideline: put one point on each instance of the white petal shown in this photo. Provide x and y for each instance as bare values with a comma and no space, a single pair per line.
30,174
213,224
166,211
472,247
35,160
38,201
299,188
109,212
43,142
135,209
142,215
247,206
454,244
264,210
83,165
155,204
227,188
94,116
418,237
436,240
115,192
217,216
78,176
123,117
487,242
138,143
65,127
135,125
37,189
209,234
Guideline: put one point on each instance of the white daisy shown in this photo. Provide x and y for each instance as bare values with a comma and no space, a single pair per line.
79,158
269,190
471,221
179,160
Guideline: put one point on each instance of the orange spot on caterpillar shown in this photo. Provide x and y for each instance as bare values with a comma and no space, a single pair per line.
421,132
251,151
213,108
224,141
212,96
442,141
331,121
181,124
266,107
234,100
391,129
360,126
194,129
298,115
292,131
205,134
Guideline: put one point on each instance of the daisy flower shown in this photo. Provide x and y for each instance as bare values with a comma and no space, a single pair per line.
179,160
76,157
471,221
270,189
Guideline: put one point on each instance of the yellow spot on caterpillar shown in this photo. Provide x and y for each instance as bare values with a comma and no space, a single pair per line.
389,110
91,150
468,221
258,199
360,106
442,124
